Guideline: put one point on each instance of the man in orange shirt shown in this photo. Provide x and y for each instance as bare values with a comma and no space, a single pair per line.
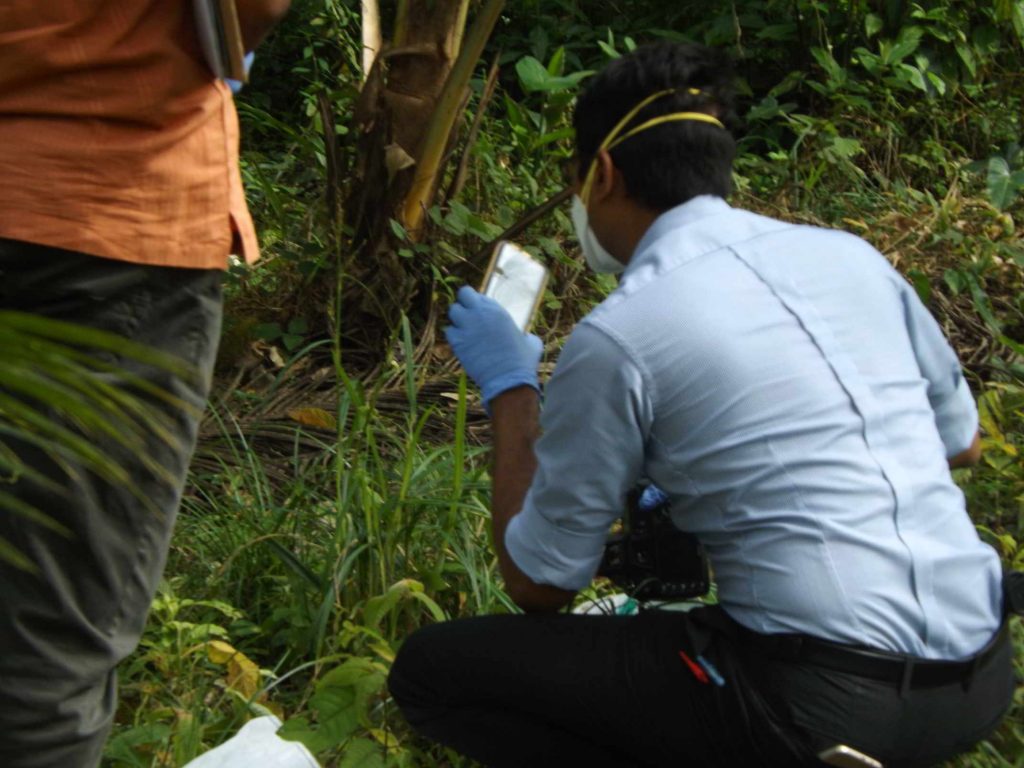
120,203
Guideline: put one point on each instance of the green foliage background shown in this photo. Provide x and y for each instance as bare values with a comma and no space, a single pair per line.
332,510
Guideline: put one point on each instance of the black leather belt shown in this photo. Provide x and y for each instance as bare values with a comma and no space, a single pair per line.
905,671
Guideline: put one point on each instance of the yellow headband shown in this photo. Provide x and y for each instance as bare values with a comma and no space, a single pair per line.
613,139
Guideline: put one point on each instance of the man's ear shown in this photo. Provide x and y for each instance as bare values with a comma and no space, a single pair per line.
606,176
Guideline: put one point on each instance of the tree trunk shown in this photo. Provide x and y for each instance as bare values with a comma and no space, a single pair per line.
397,120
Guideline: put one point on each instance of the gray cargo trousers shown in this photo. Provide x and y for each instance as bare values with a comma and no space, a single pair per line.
64,628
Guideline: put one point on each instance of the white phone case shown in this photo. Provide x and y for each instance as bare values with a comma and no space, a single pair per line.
516,281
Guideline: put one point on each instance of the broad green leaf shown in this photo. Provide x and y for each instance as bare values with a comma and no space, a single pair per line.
299,729
381,605
340,702
457,220
905,44
406,589
1001,190
516,118
561,134
956,281
609,50
966,55
944,35
267,331
872,25
846,148
292,341
398,230
870,61
556,67
568,81
937,82
338,710
362,753
1012,11
914,76
532,74
827,62
435,610
362,675
484,230
556,104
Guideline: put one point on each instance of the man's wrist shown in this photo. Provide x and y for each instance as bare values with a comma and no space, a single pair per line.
513,400
493,390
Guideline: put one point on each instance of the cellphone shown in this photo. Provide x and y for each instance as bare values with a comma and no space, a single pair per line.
515,280
847,757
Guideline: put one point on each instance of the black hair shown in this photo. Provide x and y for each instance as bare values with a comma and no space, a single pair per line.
668,164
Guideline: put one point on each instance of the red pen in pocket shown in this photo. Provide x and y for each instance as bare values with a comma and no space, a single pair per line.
699,673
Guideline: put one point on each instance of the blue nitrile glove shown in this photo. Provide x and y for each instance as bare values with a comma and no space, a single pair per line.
492,349
236,85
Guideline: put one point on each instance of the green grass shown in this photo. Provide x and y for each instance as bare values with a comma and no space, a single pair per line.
324,557
313,544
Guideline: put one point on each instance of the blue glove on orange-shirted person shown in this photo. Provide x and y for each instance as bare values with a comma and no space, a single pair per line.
496,355
235,85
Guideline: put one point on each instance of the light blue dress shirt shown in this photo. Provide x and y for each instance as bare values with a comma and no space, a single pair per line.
788,390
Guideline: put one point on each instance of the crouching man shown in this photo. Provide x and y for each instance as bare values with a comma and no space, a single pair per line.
800,407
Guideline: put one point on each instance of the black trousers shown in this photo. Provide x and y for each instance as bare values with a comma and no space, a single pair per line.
560,690
63,629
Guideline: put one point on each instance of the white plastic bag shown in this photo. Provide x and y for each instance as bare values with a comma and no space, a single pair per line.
257,745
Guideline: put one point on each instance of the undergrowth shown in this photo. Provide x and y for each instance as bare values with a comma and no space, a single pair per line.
332,510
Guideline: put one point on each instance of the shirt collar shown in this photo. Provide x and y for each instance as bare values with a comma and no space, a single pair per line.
694,209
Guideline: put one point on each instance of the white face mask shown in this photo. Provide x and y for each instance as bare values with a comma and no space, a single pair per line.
598,259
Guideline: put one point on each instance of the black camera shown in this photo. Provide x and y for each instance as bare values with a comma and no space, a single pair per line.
650,558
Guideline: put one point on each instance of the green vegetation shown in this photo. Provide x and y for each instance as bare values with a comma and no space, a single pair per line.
339,498
51,367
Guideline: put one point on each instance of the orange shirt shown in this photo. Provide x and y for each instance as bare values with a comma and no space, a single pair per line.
115,138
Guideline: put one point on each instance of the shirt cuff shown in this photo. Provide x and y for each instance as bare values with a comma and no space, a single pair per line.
520,378
957,419
552,555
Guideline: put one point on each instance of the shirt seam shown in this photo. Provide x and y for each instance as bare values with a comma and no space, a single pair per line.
858,407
